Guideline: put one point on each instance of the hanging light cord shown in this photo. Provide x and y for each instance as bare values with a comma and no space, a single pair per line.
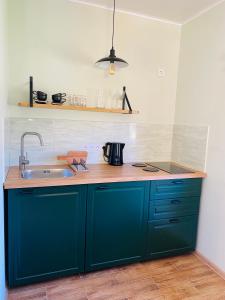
114,10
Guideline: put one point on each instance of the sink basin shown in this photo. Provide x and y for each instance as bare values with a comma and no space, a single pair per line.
47,173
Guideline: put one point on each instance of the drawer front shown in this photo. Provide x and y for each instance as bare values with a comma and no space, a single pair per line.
175,188
167,208
171,235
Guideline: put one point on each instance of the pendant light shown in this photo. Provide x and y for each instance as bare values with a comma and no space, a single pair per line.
112,62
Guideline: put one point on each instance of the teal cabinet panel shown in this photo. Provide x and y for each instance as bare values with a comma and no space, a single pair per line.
175,207
116,224
57,231
175,188
46,233
173,217
171,236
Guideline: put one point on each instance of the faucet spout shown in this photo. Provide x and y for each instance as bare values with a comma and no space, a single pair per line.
23,161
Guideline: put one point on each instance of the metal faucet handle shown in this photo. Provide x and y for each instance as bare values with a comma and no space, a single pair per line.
23,162
26,162
24,159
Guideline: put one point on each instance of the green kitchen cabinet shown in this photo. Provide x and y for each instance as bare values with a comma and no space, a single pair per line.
171,236
58,231
176,188
45,233
173,217
116,224
165,208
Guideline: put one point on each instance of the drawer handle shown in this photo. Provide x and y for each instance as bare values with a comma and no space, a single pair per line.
175,201
178,182
26,192
103,188
173,221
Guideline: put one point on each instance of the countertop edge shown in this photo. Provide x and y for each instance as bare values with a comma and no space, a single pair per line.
102,170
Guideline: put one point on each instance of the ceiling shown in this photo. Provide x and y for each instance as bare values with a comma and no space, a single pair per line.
177,11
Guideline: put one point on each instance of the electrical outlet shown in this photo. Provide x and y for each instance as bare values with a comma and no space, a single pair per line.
161,72
92,147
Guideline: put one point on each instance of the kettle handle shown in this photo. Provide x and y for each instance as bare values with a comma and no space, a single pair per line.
105,156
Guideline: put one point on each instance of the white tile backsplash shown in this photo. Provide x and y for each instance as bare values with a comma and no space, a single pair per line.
143,141
189,145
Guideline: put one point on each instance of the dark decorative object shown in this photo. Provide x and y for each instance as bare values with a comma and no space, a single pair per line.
126,101
37,96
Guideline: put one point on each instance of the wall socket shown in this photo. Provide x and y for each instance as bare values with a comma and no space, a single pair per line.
161,72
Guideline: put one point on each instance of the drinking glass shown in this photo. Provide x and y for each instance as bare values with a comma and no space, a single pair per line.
100,99
83,100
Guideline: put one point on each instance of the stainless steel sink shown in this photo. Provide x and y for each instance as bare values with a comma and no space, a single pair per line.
47,173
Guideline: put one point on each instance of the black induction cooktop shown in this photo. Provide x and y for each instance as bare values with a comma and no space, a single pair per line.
170,167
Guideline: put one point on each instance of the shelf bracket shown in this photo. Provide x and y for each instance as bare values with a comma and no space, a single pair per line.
126,101
31,91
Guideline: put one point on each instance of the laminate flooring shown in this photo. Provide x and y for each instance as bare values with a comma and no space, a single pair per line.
176,278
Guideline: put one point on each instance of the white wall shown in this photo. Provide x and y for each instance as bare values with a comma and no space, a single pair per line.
2,113
58,43
201,101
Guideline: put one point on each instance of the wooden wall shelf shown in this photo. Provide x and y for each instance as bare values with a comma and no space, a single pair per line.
81,108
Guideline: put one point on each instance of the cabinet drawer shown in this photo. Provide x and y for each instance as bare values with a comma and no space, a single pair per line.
175,188
171,236
167,208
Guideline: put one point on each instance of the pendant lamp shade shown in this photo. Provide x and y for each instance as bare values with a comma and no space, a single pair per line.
112,62
111,59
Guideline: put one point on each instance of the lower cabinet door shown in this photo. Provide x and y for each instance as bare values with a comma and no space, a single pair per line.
171,236
46,233
116,224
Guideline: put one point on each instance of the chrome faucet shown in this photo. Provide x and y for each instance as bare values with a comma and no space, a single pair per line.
23,161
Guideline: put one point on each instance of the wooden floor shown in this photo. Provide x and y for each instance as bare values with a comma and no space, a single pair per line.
183,277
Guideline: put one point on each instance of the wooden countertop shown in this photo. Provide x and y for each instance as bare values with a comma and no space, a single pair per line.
98,173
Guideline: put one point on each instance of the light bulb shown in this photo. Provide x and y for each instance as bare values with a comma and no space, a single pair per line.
112,69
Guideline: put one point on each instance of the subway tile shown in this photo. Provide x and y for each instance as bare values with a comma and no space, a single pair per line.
189,145
144,141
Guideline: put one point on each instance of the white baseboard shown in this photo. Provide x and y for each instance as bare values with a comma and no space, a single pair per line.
210,264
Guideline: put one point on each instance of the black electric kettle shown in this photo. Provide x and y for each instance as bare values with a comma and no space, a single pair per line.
113,153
